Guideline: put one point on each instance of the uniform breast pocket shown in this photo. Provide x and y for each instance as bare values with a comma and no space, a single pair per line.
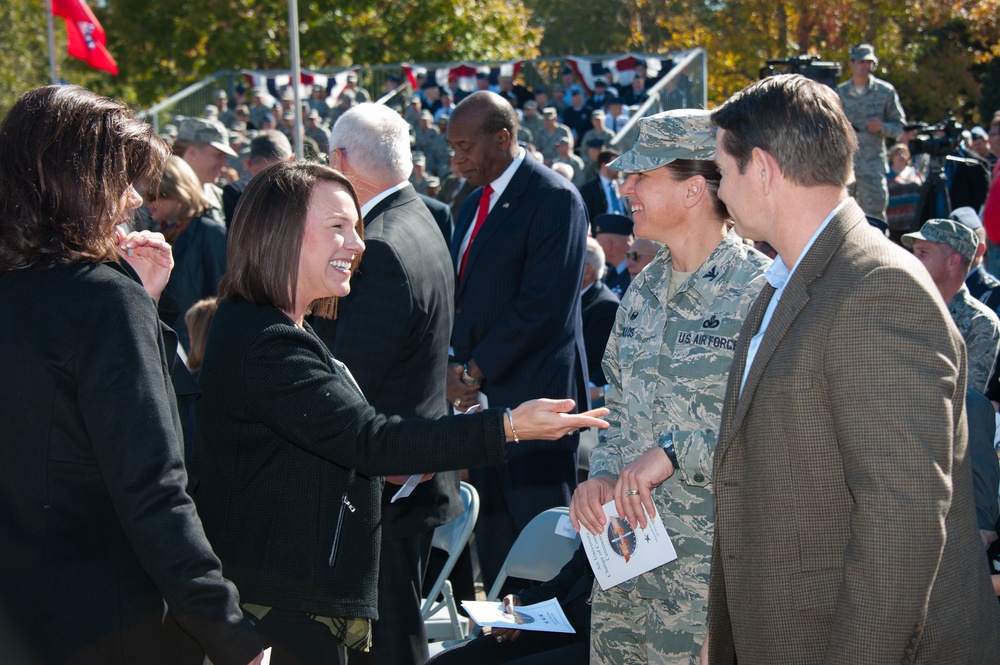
704,349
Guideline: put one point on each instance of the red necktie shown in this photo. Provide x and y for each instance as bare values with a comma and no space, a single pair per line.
484,209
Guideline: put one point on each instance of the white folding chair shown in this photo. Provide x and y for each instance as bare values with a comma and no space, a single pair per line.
538,554
441,618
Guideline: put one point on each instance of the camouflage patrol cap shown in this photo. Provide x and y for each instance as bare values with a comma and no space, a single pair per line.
864,52
668,136
203,130
949,232
550,113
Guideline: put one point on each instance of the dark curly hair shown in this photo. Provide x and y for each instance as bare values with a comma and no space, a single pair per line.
67,160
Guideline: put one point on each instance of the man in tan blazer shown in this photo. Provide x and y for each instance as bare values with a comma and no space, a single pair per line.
845,530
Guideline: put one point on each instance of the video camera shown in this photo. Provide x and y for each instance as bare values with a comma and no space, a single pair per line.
809,66
925,141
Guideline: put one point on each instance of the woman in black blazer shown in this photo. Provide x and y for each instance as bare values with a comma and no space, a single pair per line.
290,454
97,532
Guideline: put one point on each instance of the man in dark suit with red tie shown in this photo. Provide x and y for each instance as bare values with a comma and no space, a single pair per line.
519,248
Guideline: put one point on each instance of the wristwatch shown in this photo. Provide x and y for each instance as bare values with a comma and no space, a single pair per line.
667,444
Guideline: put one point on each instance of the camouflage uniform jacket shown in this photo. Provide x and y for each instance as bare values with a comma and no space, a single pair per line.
546,142
666,365
576,163
536,125
980,328
604,134
878,99
425,139
438,161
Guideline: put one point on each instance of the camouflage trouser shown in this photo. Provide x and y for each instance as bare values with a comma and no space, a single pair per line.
626,629
871,193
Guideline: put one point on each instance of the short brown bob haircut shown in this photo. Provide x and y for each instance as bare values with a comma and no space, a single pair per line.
265,236
68,157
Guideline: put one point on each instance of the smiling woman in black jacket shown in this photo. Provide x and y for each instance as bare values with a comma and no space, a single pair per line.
96,529
290,453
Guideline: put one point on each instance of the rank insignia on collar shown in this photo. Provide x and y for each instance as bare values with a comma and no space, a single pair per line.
711,274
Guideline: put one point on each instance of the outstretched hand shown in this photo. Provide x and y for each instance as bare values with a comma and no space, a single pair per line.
549,419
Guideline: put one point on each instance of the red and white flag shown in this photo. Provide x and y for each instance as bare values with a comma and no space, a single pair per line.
84,35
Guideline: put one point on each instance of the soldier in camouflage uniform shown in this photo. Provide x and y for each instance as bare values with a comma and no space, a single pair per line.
548,138
598,131
947,249
666,365
873,109
532,120
425,133
439,158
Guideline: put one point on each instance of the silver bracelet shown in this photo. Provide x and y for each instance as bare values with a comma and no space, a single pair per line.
510,418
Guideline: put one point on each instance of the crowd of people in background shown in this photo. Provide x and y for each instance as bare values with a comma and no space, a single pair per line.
749,316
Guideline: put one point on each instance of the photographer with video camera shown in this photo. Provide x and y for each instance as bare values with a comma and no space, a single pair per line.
956,177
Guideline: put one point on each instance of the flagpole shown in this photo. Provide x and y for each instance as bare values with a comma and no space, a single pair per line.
293,36
53,76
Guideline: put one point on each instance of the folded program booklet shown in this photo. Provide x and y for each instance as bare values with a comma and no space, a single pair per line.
546,616
623,551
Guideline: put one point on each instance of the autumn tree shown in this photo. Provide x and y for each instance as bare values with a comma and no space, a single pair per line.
936,52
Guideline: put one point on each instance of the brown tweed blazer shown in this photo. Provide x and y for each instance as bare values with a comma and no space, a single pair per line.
844,523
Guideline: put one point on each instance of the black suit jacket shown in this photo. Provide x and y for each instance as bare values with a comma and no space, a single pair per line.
392,332
594,198
441,213
231,194
517,314
283,434
454,194
985,470
600,305
96,528
617,281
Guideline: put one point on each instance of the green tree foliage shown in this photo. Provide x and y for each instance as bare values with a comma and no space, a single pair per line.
930,49
24,55
163,45
172,43
571,27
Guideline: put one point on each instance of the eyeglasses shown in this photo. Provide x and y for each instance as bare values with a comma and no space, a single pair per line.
633,255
